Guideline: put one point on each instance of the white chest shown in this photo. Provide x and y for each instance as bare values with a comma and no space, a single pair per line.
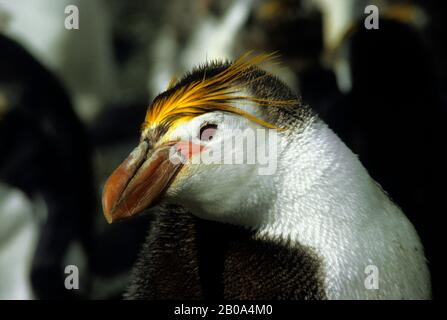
329,203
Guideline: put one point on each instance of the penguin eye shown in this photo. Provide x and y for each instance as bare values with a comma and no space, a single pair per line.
207,132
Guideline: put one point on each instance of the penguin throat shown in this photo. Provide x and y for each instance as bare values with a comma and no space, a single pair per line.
318,175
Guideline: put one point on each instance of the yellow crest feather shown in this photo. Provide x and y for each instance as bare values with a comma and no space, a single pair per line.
215,93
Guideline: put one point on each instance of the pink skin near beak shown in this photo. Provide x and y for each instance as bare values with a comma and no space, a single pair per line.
141,180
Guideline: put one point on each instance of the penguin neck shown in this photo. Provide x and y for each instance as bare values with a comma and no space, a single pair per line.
320,190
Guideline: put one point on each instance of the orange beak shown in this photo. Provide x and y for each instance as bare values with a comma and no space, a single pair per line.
139,182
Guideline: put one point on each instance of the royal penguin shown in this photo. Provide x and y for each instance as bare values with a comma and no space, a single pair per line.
316,227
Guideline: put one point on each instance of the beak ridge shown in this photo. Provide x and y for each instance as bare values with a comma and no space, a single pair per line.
138,182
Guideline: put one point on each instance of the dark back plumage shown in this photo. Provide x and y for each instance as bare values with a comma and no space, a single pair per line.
186,257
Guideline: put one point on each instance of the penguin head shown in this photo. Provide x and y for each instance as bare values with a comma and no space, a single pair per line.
201,142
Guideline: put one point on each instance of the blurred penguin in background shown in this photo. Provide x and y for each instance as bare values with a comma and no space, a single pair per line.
44,151
38,117
294,29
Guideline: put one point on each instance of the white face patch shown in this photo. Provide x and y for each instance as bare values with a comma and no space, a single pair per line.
229,141
215,182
